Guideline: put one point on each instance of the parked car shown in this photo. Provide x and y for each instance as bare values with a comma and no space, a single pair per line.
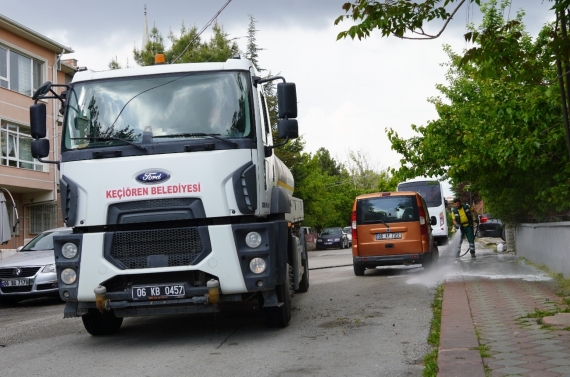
392,228
30,273
348,231
488,226
332,237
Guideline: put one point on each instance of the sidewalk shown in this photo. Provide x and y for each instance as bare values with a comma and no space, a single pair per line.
484,302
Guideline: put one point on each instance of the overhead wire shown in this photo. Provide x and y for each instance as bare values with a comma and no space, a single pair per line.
202,30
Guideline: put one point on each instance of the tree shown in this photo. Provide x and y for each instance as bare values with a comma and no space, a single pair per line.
187,47
367,179
252,49
114,64
499,128
407,20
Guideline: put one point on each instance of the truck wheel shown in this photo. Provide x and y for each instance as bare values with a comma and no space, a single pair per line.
279,316
97,323
358,270
304,283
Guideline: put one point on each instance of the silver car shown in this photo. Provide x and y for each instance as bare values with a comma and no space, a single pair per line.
30,272
348,231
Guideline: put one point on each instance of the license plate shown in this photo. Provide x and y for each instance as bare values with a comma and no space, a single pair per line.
15,282
328,243
388,236
158,292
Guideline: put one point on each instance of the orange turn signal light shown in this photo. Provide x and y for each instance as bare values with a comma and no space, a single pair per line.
159,59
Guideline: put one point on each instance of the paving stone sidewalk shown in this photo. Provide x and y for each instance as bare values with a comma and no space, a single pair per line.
487,313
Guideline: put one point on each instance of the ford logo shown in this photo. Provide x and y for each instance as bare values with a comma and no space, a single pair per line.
152,176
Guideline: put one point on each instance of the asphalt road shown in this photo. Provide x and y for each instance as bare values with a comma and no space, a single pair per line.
376,325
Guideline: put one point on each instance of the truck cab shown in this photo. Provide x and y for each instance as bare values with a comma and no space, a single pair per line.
177,202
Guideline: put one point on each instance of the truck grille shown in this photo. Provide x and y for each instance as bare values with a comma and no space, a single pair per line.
172,247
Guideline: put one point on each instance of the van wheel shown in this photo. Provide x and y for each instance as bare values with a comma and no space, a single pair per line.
279,316
432,258
434,255
359,270
97,323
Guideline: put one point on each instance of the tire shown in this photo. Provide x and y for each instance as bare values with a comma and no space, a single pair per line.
434,258
279,316
97,323
503,234
358,270
304,283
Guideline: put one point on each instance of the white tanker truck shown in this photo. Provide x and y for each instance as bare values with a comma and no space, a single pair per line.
177,202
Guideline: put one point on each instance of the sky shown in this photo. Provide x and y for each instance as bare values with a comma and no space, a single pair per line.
349,91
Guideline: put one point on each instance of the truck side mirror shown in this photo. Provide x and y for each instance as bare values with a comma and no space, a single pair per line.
433,220
287,100
40,148
38,120
287,129
42,90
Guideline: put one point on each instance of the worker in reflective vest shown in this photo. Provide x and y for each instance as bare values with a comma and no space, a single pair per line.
463,219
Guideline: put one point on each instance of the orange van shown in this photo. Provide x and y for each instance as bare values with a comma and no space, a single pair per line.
391,228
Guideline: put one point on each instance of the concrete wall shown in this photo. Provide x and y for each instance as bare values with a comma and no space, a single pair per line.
547,244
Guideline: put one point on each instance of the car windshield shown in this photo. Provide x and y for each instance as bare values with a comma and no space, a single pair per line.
43,241
347,229
331,232
166,107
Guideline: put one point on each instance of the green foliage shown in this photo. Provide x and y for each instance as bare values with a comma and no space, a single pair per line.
252,49
395,17
114,64
500,127
187,47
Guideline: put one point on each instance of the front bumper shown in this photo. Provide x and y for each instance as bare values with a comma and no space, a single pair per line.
226,261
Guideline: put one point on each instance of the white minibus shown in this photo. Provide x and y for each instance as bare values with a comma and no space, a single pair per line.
432,192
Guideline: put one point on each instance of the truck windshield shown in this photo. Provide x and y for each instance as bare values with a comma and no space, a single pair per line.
429,190
101,113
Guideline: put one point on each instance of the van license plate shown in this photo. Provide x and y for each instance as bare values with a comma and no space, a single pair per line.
388,236
15,283
158,292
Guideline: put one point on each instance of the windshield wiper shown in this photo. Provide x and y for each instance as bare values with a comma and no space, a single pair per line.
199,134
111,138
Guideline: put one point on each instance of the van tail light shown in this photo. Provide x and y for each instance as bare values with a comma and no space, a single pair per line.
423,223
353,226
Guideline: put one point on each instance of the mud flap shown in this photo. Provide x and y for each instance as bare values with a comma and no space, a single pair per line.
269,299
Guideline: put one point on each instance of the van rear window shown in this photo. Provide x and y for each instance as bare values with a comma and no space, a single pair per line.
388,209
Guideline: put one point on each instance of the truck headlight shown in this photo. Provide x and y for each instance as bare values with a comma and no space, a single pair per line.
69,250
253,239
68,276
257,265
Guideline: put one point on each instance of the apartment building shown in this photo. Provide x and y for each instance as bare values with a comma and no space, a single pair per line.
27,59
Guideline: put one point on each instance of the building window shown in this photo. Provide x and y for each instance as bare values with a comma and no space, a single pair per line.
43,217
19,73
16,147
